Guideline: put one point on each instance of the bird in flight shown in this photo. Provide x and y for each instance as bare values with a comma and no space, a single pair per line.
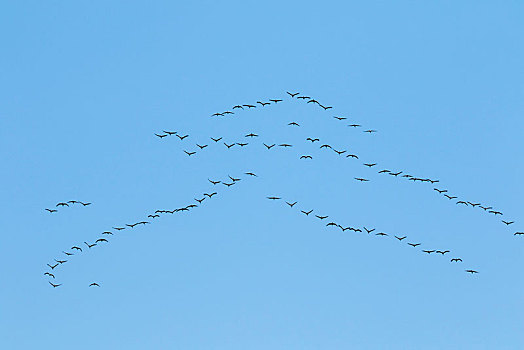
67,253
352,156
55,285
294,124
251,135
339,152
90,245
94,284
322,217
325,107
275,101
508,222
369,230
442,251
450,197
210,194
273,198
414,244
355,125
292,95
251,174
101,240
361,179
440,191
228,184
85,204
49,274
370,131
326,146
306,157
370,164
304,97
456,260
182,137
472,271
229,146
62,204
189,153
395,174
241,144
462,202
428,251
381,234
400,238
263,103
214,182
200,200
201,146
51,210
495,212
77,248
285,145
307,212
291,204
340,118
61,261
383,171
119,228
518,233
53,266
216,140
249,106
161,136
312,140
238,106
269,146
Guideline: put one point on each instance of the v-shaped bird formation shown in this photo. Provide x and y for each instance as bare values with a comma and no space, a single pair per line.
369,170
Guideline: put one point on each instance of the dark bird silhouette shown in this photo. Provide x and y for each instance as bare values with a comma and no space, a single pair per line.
51,210
189,153
370,131
285,145
217,114
332,224
322,217
229,146
313,101
73,202
119,228
294,124
273,198
110,233
101,240
263,103
312,140
414,244
251,135
55,285
518,233
85,204
214,182
428,251
339,152
251,174
234,179
228,184
442,251
395,174
161,136
90,245
249,106
495,212
473,204
369,230
307,212
456,260
49,274
94,284
153,216
326,146
275,101
450,197
201,146
269,146
62,204
200,200
228,112
216,140
340,118
370,164
352,156
77,248
182,137
325,107
440,191
242,144
361,179
462,202
383,171
508,222
210,194
472,271
306,157
169,132
291,204
53,266
381,234
400,238
61,261
67,253
238,106
132,225
486,208
292,95
304,97
355,125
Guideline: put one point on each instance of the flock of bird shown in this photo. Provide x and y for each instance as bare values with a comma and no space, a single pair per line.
246,140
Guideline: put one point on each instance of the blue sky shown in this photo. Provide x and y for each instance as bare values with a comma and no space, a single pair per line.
87,84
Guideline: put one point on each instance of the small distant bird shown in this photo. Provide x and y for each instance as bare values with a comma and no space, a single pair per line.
251,135
292,95
119,228
473,204
304,97
285,145
326,146
251,174
294,124
400,238
94,284
307,212
182,137
234,179
214,182
229,146
306,157
369,230
101,240
395,174
370,131
312,140
322,217
462,202
90,245
508,222
332,224
216,140
210,194
85,204
370,164
55,285
73,202
49,274
414,244
201,146
518,233
200,200
291,204
249,106
456,260
241,144
170,132
352,156
472,271
217,114
238,106
442,251
381,234
67,253
361,179
355,125
440,191
269,146
53,266
153,216
312,101
77,248
161,136
486,208
340,118
51,210
325,107
62,204
263,103
384,171
189,153
228,184
339,152
275,101
495,212
61,261
450,197
428,251
273,198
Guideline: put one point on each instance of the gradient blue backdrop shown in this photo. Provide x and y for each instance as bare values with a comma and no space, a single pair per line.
85,84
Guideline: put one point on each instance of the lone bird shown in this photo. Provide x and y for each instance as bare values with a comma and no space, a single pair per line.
94,284
306,157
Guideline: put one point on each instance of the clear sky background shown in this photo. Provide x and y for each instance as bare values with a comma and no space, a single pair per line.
86,84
